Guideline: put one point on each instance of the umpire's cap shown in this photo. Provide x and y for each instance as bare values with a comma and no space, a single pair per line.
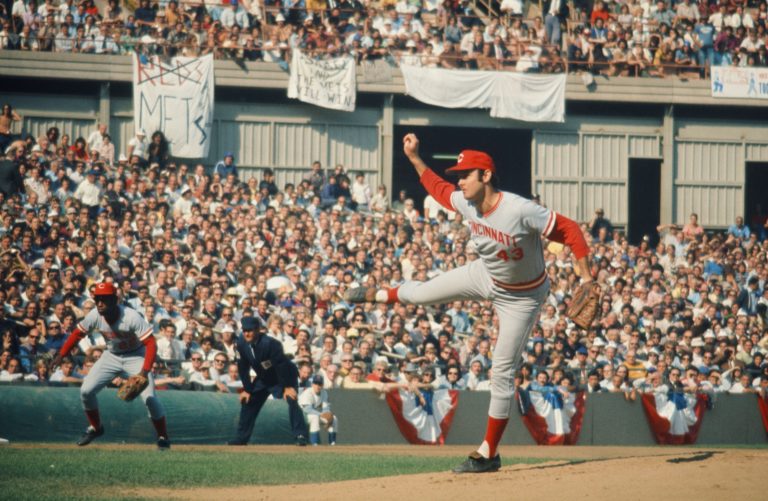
105,289
472,159
251,324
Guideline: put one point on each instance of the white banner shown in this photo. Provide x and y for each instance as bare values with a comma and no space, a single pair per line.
175,97
329,83
751,83
521,96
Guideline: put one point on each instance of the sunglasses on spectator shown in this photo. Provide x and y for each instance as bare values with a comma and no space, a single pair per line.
196,359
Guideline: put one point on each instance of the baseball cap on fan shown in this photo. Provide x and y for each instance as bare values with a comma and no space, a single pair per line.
472,159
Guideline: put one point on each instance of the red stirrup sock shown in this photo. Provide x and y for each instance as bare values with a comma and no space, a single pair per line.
93,418
493,435
387,296
160,428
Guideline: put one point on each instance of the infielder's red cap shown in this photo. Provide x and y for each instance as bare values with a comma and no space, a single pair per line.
105,289
472,159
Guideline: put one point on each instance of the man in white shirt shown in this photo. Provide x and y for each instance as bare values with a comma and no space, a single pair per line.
740,18
89,192
138,145
361,192
97,137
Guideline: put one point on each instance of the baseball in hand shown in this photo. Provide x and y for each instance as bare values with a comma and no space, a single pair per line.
411,145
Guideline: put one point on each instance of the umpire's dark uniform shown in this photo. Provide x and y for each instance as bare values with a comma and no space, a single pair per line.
274,373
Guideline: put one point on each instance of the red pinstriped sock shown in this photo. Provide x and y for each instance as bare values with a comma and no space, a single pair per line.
93,418
160,427
493,434
392,296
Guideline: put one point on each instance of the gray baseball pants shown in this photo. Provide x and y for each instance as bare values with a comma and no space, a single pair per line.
517,312
111,365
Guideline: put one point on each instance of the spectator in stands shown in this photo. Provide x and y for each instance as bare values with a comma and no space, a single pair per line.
693,229
267,183
598,223
739,229
557,13
7,117
157,151
226,166
138,146
13,371
66,373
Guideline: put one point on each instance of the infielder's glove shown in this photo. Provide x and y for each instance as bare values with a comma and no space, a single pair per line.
584,305
327,417
132,387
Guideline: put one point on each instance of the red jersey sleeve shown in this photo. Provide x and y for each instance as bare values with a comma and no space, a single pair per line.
71,341
439,188
149,352
566,231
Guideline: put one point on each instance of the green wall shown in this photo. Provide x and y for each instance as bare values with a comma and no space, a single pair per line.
49,414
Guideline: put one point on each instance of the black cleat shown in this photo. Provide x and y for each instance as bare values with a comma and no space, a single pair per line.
236,442
360,295
476,463
90,435
301,441
163,444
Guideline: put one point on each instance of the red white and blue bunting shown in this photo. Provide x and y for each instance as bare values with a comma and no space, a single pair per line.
674,417
551,418
424,423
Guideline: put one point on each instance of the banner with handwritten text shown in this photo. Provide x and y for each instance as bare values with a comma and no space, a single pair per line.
329,83
175,97
729,81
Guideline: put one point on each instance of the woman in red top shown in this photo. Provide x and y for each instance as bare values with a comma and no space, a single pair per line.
81,152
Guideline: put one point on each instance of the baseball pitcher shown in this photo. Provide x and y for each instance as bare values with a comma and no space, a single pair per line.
506,230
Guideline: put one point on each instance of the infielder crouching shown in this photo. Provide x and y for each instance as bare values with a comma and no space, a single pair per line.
314,403
506,230
131,350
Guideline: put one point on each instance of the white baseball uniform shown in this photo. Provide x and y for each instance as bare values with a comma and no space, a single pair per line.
510,272
124,356
314,405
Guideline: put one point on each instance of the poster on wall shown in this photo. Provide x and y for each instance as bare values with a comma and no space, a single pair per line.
175,97
329,83
749,83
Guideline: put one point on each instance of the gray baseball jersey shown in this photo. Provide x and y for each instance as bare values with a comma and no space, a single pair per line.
508,238
125,335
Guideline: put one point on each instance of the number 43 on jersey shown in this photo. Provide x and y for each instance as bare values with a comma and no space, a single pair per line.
515,254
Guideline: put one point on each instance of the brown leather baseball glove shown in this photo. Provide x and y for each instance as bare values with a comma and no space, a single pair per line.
584,305
327,417
132,387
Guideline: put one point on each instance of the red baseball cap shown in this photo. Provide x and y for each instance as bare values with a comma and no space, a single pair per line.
105,289
472,159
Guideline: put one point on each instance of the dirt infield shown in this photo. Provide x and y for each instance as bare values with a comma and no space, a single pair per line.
628,473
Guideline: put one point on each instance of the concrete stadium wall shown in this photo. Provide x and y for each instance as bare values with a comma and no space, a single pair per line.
49,414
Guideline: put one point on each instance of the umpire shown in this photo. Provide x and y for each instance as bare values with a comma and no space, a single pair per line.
275,375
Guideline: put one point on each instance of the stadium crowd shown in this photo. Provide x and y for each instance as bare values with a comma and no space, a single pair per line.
197,248
633,37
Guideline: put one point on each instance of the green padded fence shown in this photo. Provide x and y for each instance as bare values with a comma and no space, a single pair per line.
50,414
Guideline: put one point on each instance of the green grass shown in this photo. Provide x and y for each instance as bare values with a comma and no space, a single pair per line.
45,473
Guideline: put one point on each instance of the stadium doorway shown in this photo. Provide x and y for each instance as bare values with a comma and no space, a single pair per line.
510,149
644,199
756,196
